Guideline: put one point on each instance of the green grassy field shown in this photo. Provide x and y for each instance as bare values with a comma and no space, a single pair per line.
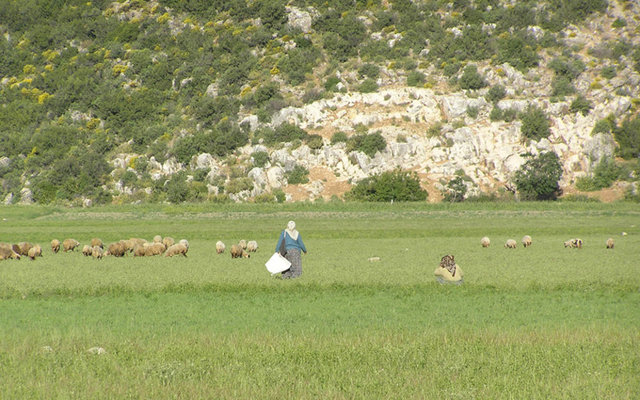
542,322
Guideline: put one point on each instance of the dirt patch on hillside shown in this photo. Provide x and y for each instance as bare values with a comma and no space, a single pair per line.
607,195
332,185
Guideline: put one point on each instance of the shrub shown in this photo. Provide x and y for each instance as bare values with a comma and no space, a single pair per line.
471,79
581,104
535,124
395,185
455,190
495,114
608,72
339,137
283,133
415,78
604,125
260,158
619,23
495,94
331,83
369,70
177,188
562,86
367,143
628,138
538,178
314,142
298,175
238,185
472,111
368,86
604,174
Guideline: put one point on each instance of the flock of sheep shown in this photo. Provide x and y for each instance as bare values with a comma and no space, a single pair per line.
96,249
526,242
240,250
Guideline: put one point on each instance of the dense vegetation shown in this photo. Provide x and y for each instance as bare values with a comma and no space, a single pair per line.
83,81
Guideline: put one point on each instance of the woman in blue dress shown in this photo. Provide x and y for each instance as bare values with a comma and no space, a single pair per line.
293,245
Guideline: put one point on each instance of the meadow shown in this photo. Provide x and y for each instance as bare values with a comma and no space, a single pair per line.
541,322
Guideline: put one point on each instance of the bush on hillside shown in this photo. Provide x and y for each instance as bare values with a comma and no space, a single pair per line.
535,124
389,186
538,178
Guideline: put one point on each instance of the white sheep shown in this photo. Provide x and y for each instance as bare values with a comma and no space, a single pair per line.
220,247
252,246
485,242
526,240
510,244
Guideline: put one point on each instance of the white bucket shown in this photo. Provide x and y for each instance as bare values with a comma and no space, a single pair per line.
277,264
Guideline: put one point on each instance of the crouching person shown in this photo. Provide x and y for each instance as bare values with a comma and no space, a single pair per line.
448,271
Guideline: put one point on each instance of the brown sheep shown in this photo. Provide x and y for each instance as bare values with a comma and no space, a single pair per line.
168,242
6,252
510,244
87,250
526,241
96,242
252,246
131,244
35,251
610,243
55,245
220,247
16,248
176,249
485,242
154,249
69,245
237,252
157,239
139,250
243,244
24,248
116,249
96,252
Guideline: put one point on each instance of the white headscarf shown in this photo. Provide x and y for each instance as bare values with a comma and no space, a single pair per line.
291,230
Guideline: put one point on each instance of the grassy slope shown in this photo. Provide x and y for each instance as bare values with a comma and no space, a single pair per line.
528,323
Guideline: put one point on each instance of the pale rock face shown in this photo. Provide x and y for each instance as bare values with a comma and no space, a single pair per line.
8,199
259,177
171,166
26,196
275,177
299,19
598,147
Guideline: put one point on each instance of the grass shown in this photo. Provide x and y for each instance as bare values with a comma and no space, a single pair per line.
543,322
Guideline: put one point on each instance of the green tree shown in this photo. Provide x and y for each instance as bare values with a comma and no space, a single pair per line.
538,178
397,185
535,124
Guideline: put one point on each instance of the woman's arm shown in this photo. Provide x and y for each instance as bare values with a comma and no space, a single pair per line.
280,241
301,243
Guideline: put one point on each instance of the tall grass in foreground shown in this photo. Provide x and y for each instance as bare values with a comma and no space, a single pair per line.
543,322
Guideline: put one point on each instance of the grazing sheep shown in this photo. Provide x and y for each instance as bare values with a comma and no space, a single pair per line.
55,245
237,252
133,242
176,249
185,243
252,246
485,242
577,243
220,247
6,252
154,249
567,243
168,242
87,250
139,250
35,251
526,240
24,248
243,244
69,245
96,252
157,239
96,242
510,244
116,249
610,243
16,248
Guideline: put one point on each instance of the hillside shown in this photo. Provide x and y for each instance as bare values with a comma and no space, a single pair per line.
147,101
